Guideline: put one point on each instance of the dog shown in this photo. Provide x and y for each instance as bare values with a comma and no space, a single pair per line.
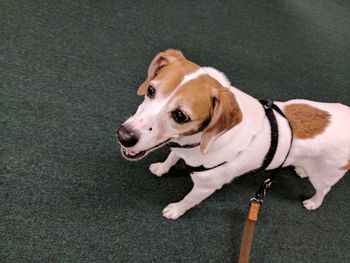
226,131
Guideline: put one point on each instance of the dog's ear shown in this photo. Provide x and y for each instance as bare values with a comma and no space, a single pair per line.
161,60
225,114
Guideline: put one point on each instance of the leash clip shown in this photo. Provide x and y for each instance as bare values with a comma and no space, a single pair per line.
263,189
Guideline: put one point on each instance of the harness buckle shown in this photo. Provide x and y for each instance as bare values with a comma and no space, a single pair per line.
267,104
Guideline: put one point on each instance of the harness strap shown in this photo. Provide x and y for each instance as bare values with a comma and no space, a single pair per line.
193,169
256,203
187,146
201,168
268,107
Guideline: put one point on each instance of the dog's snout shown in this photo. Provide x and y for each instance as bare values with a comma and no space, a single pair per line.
127,137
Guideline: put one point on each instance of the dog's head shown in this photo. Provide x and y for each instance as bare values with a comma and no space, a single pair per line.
180,100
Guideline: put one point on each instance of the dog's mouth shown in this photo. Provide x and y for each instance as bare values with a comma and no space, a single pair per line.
132,155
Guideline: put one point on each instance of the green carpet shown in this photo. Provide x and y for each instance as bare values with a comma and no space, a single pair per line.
69,71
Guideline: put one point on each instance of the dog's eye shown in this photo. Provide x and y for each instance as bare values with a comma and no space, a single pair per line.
180,117
151,92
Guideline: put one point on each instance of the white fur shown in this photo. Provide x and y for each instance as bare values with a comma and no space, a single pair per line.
219,76
245,146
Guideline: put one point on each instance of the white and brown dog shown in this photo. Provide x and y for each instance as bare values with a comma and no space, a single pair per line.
192,105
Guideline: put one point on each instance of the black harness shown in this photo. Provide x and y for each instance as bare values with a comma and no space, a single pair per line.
193,169
176,145
269,108
256,202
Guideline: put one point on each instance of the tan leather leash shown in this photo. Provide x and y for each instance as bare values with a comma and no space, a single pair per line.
249,228
256,202
248,232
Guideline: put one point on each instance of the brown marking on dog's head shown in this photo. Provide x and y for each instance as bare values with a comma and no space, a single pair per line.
306,121
194,99
345,167
211,108
167,69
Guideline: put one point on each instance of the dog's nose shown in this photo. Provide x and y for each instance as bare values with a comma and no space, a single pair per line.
127,137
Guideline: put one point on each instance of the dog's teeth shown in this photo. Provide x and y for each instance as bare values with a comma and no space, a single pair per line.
132,154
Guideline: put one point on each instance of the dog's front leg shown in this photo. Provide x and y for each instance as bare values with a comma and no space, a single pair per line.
163,167
193,198
203,186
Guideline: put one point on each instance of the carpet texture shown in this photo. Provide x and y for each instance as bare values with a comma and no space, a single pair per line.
69,71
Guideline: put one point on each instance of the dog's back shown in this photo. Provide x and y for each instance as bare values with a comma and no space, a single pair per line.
324,124
321,145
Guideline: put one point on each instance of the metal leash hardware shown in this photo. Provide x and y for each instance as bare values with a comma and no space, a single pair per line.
249,228
261,193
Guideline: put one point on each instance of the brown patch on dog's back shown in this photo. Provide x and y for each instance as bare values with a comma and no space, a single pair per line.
345,167
306,121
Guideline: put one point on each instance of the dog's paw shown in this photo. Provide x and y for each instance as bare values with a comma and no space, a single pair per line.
312,203
174,210
300,171
158,169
